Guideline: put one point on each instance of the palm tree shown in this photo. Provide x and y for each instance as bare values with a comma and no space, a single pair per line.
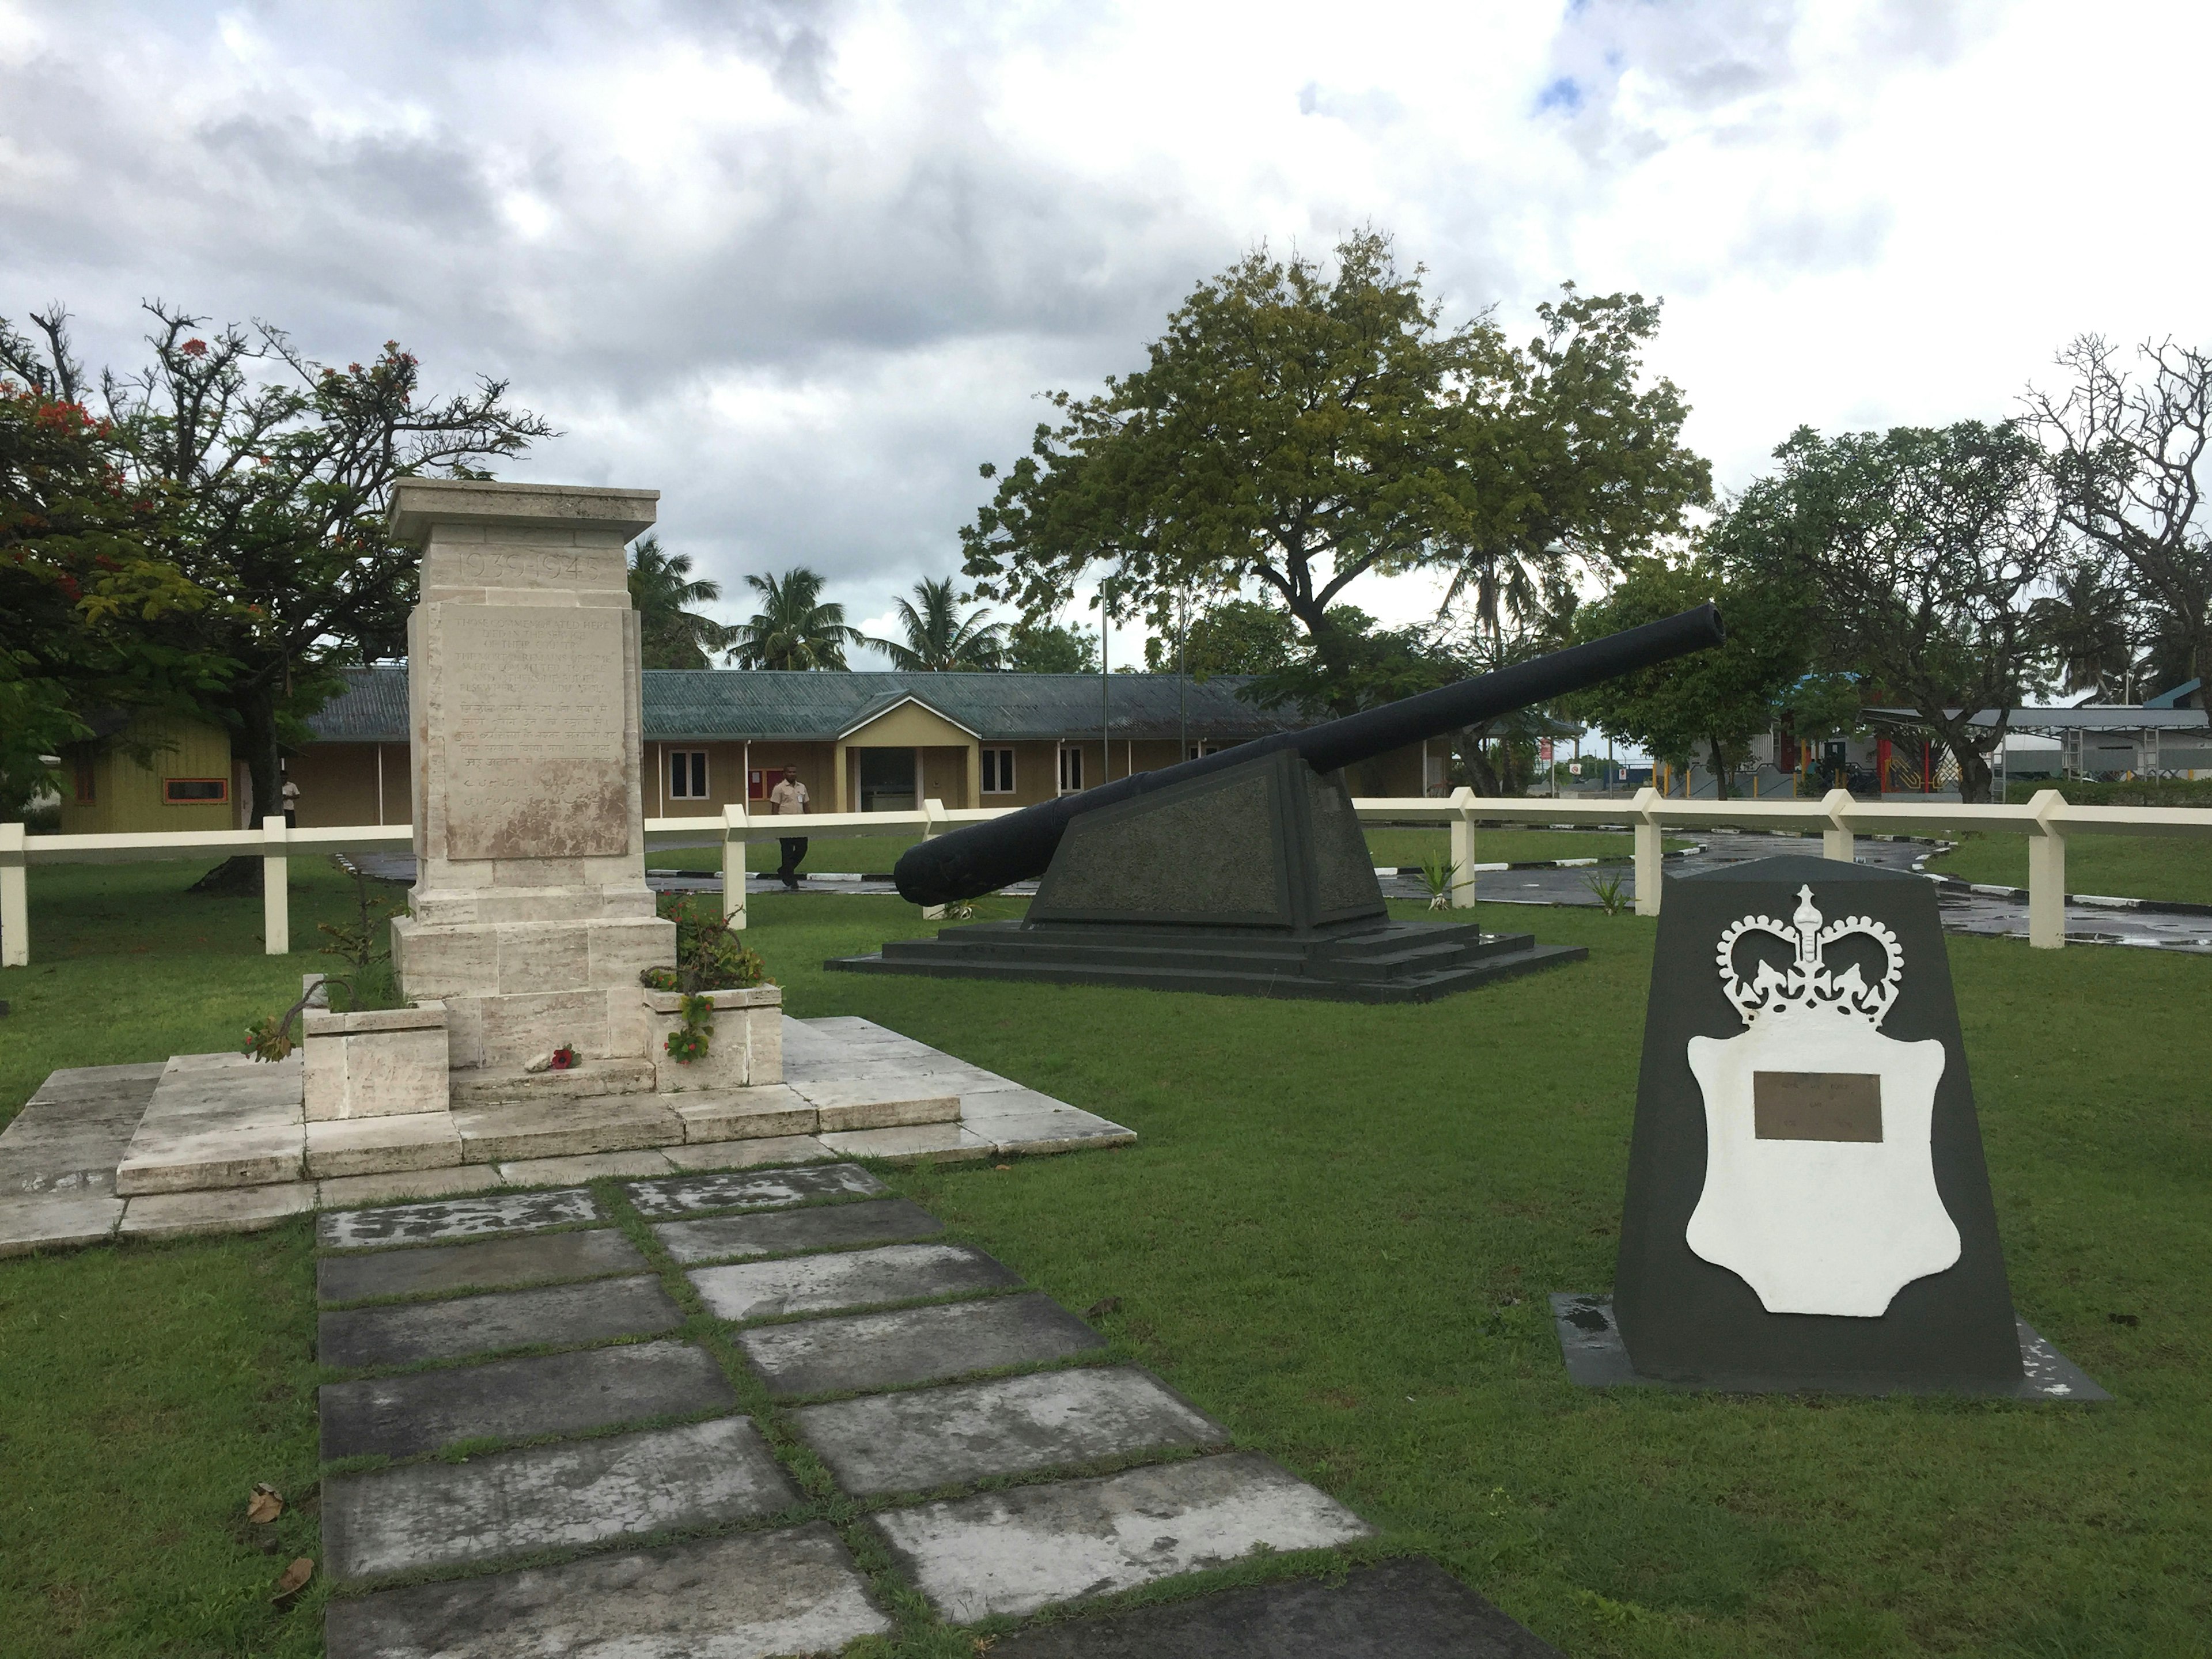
938,639
662,587
793,629
2091,632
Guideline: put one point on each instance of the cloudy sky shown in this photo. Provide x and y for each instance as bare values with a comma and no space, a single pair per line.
802,266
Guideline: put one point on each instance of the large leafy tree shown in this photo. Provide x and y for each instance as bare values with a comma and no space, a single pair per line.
1050,648
794,627
1298,427
2125,448
662,587
938,639
272,474
88,602
1718,700
1237,636
1919,551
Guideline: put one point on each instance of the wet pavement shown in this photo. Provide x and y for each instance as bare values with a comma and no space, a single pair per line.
1993,912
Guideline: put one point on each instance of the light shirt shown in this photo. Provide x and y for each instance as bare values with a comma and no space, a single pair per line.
787,797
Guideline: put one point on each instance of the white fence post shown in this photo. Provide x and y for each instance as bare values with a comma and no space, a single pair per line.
1463,848
276,876
1650,851
1837,841
734,863
2046,872
14,900
932,814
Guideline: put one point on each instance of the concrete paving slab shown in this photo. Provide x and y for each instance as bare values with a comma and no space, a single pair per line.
225,1210
379,1146
1406,1609
980,1107
927,1143
1016,1551
748,1154
70,1136
851,1278
217,1121
494,1264
885,1102
563,1128
553,1316
817,1227
520,1399
54,1222
911,1442
741,1597
565,1495
769,1111
1066,1130
585,1166
705,1195
474,1217
857,1351
350,1191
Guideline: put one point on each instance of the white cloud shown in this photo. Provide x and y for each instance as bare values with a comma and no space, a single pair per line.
803,266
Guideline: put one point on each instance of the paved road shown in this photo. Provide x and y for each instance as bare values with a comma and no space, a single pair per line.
1964,912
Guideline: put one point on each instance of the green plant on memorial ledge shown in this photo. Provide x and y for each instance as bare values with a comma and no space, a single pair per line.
709,956
363,944
689,1041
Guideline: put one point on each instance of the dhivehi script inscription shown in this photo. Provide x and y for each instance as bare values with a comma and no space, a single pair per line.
536,764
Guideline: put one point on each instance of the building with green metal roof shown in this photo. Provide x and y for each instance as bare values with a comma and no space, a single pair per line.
860,742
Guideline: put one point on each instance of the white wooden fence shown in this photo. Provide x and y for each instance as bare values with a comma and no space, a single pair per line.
2047,821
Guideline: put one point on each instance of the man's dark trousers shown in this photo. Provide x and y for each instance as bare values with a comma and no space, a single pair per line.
794,851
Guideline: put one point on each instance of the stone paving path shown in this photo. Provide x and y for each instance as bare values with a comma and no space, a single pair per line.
752,1413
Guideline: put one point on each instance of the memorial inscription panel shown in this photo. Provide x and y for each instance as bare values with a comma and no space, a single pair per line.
536,762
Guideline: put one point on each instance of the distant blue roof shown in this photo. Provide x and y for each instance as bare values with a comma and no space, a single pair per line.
2175,698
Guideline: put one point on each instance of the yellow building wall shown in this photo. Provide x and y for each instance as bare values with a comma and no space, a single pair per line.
127,790
337,784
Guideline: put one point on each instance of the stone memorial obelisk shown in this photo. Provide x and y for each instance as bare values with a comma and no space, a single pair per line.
530,918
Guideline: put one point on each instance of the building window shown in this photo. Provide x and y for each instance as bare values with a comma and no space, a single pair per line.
84,775
1071,770
998,771
195,792
687,774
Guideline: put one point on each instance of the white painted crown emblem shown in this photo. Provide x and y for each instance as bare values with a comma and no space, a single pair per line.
1809,987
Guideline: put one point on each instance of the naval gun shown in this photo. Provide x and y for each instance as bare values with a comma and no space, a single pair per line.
1244,871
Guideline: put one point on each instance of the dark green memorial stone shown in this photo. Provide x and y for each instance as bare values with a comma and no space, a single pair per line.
1808,1204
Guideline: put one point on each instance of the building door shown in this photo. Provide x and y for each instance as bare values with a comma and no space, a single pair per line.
888,783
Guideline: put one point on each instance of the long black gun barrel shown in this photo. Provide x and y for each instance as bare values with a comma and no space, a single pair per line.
982,858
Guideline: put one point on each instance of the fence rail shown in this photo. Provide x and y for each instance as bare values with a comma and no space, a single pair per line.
1838,817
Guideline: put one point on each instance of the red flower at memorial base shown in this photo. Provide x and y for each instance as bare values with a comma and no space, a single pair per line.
565,1057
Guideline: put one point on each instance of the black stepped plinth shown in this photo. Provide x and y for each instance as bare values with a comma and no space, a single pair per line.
1374,961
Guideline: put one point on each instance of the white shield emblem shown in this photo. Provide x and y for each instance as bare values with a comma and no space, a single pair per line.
1820,1184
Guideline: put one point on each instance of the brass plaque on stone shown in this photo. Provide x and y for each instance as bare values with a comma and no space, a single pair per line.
1816,1106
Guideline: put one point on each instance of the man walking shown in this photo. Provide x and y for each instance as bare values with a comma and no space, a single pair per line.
787,797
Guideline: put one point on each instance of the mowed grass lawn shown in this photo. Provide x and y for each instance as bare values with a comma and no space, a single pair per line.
868,854
1336,1234
2118,866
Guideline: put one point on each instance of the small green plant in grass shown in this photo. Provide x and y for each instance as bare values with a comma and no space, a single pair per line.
1612,893
1439,875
